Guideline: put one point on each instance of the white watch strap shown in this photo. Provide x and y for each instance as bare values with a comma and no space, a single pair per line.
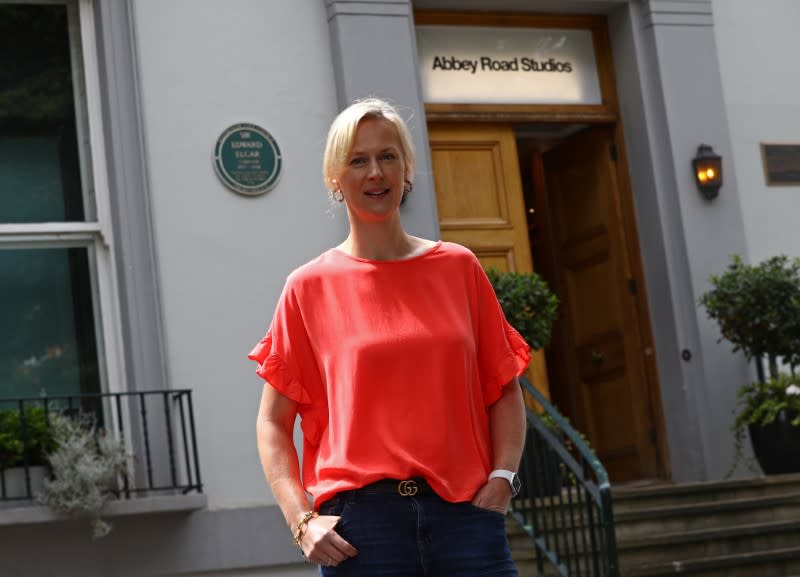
503,473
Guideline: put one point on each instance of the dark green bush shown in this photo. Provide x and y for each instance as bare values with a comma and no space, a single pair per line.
757,308
37,440
528,304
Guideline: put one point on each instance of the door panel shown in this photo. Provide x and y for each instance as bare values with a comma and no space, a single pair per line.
605,355
479,196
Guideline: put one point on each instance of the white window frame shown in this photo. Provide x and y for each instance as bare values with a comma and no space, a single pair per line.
95,233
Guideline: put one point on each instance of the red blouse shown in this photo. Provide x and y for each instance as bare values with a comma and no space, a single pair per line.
393,365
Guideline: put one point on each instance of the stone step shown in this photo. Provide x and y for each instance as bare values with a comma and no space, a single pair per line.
686,545
738,528
688,517
662,495
716,542
774,563
633,524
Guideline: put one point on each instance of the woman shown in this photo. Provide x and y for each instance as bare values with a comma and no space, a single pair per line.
396,355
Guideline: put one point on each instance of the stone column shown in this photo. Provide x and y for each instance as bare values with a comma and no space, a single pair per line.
374,52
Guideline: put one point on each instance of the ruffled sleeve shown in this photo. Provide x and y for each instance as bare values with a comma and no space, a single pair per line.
502,352
272,369
285,359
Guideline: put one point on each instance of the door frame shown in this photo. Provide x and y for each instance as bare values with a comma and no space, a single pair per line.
605,113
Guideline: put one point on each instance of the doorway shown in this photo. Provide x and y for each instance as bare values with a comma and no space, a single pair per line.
553,198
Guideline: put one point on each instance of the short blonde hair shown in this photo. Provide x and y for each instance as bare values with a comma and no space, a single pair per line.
343,132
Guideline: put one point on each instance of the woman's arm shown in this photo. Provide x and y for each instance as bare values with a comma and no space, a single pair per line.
276,416
507,428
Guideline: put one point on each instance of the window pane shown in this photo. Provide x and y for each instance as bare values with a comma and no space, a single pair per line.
40,177
48,340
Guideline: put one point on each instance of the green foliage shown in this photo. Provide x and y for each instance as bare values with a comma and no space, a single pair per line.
528,304
757,308
87,464
761,403
36,441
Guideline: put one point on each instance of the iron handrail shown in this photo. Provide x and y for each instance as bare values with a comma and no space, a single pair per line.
156,427
565,505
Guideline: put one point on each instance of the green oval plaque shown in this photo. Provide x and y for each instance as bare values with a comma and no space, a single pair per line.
247,159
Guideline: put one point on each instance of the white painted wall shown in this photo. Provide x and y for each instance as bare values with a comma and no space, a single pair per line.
758,48
222,257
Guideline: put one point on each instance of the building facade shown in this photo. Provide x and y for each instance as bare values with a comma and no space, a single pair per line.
129,263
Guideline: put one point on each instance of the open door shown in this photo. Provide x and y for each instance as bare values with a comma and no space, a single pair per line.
479,195
605,354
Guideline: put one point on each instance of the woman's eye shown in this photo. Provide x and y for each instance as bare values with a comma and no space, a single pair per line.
356,161
389,156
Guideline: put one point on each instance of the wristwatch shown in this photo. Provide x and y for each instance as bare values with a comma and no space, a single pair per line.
511,477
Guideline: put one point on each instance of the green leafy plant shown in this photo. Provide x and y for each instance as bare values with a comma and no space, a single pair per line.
528,304
760,403
24,434
757,308
87,464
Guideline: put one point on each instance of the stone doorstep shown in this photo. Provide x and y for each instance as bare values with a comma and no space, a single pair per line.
523,547
635,496
709,564
682,537
694,509
632,520
760,537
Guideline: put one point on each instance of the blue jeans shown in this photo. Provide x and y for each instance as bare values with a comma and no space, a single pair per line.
418,536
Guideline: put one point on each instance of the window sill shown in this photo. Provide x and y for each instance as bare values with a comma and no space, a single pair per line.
26,514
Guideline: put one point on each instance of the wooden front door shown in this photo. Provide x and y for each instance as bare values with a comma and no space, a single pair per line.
479,196
604,351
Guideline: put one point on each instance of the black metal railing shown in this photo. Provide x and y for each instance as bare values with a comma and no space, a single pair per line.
565,504
156,429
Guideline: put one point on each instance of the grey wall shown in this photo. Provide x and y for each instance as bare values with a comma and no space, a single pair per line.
758,48
151,545
671,95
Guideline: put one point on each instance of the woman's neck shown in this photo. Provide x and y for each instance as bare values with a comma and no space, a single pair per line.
380,241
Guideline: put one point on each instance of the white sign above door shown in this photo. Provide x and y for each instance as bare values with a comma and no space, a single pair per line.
476,64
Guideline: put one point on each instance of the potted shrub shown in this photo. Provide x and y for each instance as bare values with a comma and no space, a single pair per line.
757,308
25,440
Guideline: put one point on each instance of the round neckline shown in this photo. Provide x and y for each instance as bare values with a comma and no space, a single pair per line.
427,252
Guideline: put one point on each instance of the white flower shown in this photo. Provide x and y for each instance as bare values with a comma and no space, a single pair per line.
793,390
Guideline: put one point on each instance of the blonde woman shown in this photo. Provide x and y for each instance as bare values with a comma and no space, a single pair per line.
396,355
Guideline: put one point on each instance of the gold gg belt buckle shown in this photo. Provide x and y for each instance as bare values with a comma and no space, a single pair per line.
407,488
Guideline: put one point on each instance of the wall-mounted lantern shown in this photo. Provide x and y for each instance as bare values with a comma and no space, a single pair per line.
707,171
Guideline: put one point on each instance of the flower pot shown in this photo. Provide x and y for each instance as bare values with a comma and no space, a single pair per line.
15,486
777,445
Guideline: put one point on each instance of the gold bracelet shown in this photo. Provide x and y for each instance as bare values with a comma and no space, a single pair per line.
299,531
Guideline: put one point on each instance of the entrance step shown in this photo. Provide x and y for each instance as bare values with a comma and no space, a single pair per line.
744,527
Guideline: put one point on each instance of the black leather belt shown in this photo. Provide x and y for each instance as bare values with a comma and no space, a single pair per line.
405,488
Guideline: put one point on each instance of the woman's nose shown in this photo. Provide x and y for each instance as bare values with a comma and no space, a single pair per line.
375,168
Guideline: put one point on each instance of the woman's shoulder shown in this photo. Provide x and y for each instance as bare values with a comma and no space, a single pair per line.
458,253
313,269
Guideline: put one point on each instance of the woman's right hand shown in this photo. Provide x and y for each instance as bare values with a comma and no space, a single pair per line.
323,545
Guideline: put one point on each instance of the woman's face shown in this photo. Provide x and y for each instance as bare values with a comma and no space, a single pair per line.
373,174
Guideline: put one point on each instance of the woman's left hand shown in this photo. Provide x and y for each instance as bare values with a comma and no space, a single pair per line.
495,495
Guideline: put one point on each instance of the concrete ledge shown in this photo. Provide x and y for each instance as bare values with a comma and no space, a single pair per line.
34,513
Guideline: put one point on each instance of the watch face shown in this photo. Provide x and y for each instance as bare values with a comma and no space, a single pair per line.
516,485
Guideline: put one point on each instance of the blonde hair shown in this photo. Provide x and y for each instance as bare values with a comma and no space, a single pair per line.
343,132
